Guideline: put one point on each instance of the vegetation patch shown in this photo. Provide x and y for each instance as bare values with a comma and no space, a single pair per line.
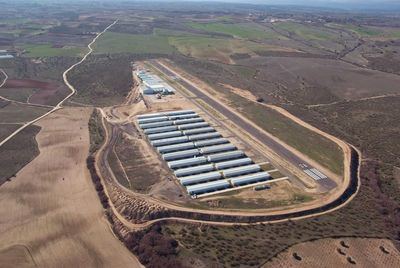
7,129
96,131
102,80
18,152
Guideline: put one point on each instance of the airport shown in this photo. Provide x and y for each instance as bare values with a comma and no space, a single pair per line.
202,160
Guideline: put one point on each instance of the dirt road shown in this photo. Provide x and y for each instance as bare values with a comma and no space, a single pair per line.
50,215
217,217
71,87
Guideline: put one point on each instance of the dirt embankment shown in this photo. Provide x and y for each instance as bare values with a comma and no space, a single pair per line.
139,210
50,214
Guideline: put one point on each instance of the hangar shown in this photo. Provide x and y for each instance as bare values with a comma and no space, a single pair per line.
201,159
152,84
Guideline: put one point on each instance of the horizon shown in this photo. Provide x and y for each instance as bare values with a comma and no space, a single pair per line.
370,5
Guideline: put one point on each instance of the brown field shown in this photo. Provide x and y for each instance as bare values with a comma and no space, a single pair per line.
140,163
365,252
47,92
311,80
51,215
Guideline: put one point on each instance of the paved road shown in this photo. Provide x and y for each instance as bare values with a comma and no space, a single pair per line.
326,182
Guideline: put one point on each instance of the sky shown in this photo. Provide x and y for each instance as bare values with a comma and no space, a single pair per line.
392,5
372,4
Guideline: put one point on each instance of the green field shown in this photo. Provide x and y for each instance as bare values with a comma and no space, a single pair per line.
242,30
166,41
306,32
112,42
46,50
369,31
213,48
363,30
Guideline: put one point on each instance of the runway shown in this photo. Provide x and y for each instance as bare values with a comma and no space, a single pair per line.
307,168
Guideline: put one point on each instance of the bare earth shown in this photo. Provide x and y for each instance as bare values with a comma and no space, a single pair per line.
365,252
50,215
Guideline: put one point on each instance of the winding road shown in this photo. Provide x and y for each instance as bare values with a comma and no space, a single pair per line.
65,78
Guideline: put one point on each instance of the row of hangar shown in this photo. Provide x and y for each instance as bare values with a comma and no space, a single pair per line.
202,160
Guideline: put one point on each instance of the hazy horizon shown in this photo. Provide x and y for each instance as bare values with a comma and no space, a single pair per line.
392,5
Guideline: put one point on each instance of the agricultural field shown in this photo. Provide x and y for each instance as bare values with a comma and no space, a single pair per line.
7,129
18,113
306,32
40,92
17,94
112,42
46,50
18,152
326,39
198,45
372,32
239,30
55,193
220,49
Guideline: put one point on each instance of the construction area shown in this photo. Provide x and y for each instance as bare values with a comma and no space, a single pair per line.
201,159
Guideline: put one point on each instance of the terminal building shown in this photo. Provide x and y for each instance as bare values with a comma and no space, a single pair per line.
200,158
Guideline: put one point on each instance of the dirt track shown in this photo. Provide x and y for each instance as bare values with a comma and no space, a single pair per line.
73,90
51,209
